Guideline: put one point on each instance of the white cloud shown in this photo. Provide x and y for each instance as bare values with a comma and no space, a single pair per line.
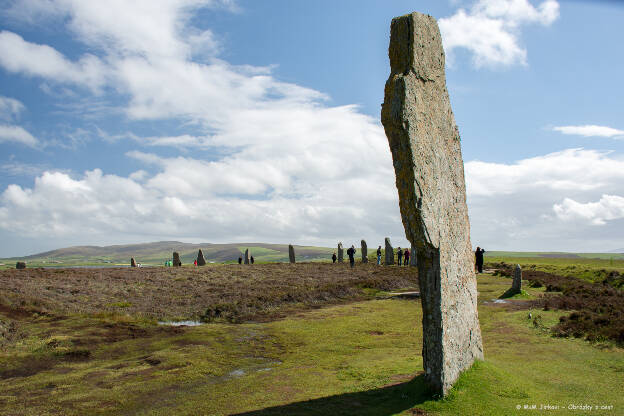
10,108
490,30
33,59
590,131
609,207
10,133
531,204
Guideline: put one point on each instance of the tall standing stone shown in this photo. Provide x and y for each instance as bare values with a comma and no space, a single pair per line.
133,262
176,259
201,260
246,256
389,252
291,253
516,285
426,153
413,262
364,251
340,253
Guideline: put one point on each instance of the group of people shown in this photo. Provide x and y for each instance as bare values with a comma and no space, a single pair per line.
402,256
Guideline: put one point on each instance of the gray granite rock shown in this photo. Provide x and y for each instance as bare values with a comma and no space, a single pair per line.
364,251
340,253
176,259
426,152
389,252
201,260
516,285
247,256
291,253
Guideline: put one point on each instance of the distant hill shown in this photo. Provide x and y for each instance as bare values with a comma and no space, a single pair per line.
158,252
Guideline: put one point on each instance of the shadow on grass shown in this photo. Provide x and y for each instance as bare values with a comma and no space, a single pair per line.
383,401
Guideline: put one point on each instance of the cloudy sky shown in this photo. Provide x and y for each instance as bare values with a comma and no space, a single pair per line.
258,121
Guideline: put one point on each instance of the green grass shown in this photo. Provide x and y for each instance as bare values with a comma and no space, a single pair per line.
361,358
590,269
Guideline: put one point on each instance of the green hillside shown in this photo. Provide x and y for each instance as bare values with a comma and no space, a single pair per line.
158,252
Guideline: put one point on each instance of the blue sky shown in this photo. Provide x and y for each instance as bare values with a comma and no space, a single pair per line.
233,121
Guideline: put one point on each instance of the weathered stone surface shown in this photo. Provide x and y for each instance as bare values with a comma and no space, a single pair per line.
291,253
20,265
413,262
247,256
133,262
426,152
201,260
516,285
340,253
176,259
389,252
364,251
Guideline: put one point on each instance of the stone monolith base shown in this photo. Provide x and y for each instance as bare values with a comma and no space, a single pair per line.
176,259
201,260
516,285
291,253
340,253
364,249
389,252
425,146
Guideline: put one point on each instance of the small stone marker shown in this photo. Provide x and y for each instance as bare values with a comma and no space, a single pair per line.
133,262
176,259
291,253
201,260
20,265
246,256
364,252
429,172
389,252
340,253
516,286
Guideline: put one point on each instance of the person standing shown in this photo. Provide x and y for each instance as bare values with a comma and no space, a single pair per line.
479,259
351,254
334,257
240,259
379,256
406,257
399,255
251,259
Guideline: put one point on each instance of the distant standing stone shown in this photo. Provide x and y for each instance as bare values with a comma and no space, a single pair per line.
201,261
389,252
20,265
291,253
364,252
246,256
516,286
176,259
133,262
340,253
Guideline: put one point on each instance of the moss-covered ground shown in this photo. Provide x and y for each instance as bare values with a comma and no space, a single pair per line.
360,358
